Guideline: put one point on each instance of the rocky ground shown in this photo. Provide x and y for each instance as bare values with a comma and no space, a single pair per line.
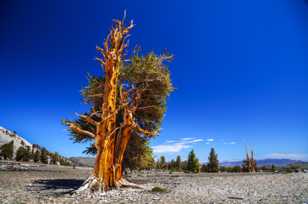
52,184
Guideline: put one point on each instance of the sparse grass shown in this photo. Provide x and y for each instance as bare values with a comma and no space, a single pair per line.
158,189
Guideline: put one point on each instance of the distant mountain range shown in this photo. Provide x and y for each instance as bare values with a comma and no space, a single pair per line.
89,161
264,162
83,161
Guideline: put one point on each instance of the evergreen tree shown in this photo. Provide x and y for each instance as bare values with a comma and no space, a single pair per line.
213,165
6,150
184,165
161,164
204,168
23,154
44,156
36,156
171,165
178,163
192,162
55,158
273,168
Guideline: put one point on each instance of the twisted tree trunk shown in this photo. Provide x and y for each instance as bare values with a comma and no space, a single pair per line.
108,163
111,138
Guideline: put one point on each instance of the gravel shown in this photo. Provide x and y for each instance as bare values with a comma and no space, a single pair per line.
53,184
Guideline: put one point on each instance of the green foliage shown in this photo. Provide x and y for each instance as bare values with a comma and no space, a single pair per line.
161,163
23,154
213,164
158,189
236,169
147,74
177,164
6,150
36,156
192,162
273,168
55,158
44,156
138,154
231,169
204,168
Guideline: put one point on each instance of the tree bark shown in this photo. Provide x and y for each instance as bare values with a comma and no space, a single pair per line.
106,161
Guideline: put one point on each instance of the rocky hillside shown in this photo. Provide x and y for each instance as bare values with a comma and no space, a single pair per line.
7,136
32,152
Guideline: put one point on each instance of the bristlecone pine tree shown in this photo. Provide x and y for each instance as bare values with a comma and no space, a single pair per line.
129,99
213,165
249,164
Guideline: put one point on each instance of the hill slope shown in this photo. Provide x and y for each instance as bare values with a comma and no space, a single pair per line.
7,136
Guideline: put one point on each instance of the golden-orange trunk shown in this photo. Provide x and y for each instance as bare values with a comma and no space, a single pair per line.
108,164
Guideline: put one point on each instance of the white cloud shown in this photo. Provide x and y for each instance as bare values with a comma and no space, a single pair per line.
210,140
207,143
187,138
173,146
294,156
230,143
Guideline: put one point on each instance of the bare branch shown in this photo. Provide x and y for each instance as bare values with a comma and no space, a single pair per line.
145,132
95,95
87,119
100,60
77,129
146,107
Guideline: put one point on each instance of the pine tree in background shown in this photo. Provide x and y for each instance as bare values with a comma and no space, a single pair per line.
178,163
36,156
44,156
55,158
192,162
171,165
204,168
23,154
213,164
273,168
6,150
161,163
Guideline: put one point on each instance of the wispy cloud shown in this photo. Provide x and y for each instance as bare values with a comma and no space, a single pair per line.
210,140
282,155
230,143
173,146
187,138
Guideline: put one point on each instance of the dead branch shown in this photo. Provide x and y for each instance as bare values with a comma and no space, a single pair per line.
77,129
87,119
143,131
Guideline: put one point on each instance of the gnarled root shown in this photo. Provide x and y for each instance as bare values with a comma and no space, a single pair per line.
92,184
125,183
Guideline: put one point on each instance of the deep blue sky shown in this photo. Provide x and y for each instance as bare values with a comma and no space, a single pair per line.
240,71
